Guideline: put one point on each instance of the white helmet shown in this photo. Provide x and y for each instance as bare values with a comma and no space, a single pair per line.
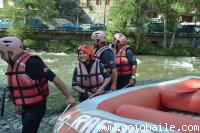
12,44
119,38
98,37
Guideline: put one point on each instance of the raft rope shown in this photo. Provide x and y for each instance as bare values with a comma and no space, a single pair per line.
65,122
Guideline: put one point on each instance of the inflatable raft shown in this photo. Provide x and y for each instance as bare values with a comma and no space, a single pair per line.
144,108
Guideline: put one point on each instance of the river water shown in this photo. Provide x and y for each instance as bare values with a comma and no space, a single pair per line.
150,68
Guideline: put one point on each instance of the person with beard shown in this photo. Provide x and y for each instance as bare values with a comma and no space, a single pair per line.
106,56
125,60
89,77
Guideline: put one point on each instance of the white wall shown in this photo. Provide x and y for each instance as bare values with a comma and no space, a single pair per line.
1,3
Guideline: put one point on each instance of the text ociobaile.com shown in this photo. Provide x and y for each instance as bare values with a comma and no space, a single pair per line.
147,127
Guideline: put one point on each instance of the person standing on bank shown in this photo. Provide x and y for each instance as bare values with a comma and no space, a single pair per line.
90,77
125,60
106,56
28,78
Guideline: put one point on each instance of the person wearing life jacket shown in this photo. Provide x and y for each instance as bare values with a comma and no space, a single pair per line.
125,60
28,78
89,77
106,56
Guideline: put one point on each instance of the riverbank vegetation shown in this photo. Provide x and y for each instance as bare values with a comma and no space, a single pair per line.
175,51
53,46
145,49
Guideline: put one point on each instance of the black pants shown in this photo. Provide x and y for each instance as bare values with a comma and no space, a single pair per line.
83,97
122,81
32,116
108,87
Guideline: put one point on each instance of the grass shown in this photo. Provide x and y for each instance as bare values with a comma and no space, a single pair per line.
56,101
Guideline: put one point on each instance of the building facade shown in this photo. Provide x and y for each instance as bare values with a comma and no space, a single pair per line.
81,11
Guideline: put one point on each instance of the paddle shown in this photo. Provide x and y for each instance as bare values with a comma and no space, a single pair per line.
185,90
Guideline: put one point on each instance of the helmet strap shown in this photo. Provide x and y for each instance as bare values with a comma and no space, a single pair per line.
117,47
97,43
10,54
10,61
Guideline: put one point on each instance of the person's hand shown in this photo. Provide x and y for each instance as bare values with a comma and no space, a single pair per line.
18,109
70,99
132,81
90,94
93,90
99,91
113,87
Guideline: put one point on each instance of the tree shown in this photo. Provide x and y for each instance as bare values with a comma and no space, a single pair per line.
162,6
123,12
21,10
127,12
142,9
176,8
119,14
168,9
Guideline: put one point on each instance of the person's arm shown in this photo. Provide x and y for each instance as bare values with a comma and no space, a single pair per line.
109,59
114,79
63,88
105,83
75,84
132,61
134,69
36,69
132,81
81,90
107,79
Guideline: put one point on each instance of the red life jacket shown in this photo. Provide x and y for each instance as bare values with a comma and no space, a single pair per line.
89,80
123,66
98,53
24,90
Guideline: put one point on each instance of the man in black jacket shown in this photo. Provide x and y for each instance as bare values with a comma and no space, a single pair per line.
28,78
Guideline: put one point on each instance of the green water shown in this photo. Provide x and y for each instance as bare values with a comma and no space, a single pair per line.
163,68
150,68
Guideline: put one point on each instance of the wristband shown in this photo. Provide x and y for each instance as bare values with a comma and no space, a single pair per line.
133,77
